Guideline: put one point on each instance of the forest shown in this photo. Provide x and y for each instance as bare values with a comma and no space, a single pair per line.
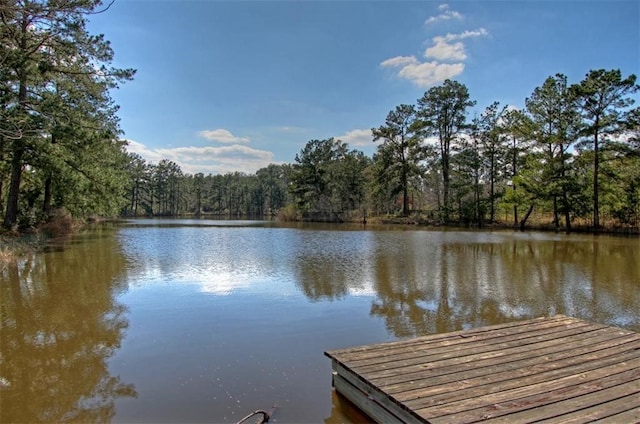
570,157
573,154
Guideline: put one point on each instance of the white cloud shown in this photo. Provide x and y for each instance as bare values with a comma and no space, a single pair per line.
148,154
429,73
466,34
358,137
290,129
200,154
431,141
208,160
400,61
445,48
442,50
426,74
222,136
446,15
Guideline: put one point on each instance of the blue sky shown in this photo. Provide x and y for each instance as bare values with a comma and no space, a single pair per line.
227,86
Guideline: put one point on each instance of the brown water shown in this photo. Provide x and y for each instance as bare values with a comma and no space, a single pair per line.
206,321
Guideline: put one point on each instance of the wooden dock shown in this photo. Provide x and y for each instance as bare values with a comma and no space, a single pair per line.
556,369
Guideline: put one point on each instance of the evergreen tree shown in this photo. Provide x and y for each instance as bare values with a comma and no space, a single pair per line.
602,97
401,151
443,112
327,179
55,76
555,119
517,127
492,137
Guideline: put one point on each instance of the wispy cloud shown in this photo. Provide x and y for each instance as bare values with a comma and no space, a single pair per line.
289,129
208,160
357,137
400,61
149,155
444,49
222,136
465,34
445,14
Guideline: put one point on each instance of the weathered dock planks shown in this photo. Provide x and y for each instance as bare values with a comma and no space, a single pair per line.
551,369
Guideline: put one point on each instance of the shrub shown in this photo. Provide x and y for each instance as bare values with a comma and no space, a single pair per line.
288,213
59,224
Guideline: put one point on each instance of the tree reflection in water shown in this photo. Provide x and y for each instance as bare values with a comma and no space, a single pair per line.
60,323
427,282
456,284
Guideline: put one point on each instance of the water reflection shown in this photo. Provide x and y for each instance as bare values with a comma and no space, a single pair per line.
329,265
437,282
231,317
59,325
425,282
344,411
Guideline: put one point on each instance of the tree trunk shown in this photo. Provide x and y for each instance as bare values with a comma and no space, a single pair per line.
11,214
438,191
476,194
445,189
405,194
526,216
17,147
567,214
556,219
515,211
596,170
514,162
46,204
492,189
2,147
198,202
565,196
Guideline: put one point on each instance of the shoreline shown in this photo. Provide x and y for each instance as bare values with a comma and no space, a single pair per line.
542,227
14,245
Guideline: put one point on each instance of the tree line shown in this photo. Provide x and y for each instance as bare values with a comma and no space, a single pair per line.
164,190
572,154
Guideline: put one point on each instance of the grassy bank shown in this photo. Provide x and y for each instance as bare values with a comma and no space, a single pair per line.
14,246
17,243
533,225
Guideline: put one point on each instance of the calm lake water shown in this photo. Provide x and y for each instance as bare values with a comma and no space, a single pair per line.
206,321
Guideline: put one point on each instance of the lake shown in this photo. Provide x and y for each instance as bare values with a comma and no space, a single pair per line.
207,321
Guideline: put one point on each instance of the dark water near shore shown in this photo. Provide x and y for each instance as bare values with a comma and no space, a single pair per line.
206,321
